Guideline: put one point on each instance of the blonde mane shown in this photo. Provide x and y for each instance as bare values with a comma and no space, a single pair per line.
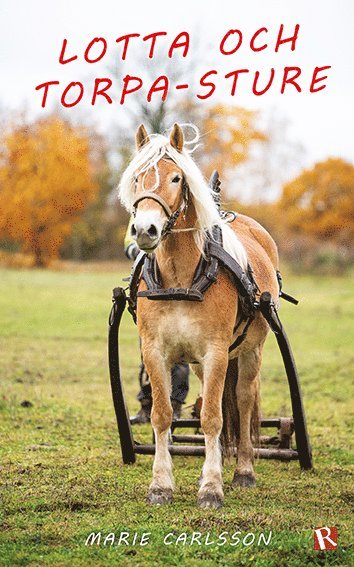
148,156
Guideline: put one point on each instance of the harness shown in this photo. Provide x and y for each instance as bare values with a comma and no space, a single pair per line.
214,257
171,216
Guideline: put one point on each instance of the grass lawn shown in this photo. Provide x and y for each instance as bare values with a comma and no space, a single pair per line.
61,471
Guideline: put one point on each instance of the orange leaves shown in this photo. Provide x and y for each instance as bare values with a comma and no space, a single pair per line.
320,201
229,133
45,183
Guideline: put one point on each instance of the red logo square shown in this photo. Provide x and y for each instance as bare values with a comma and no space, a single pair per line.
325,538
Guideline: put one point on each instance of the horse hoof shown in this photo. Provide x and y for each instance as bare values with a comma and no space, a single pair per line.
210,500
160,496
244,480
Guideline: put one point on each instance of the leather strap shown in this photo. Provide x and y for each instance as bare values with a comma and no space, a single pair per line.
282,293
135,278
244,284
174,293
239,340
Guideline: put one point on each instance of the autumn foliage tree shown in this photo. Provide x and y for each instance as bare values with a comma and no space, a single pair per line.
46,181
228,134
319,202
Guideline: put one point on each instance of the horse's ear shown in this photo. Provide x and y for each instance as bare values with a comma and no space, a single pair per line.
141,137
177,138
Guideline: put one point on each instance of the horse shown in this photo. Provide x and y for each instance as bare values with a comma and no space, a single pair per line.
174,211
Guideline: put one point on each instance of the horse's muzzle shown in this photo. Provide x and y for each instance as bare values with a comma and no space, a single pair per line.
146,239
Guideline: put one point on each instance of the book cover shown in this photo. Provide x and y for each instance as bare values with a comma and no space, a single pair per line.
195,139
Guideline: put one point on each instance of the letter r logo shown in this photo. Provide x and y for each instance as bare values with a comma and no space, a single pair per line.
325,538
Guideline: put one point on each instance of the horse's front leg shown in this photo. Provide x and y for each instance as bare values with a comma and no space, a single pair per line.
162,485
210,494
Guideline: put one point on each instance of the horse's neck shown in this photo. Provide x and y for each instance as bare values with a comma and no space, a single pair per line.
178,255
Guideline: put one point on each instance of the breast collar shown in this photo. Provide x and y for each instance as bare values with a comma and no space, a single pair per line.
206,273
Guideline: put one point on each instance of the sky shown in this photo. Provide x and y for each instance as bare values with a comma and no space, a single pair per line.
32,31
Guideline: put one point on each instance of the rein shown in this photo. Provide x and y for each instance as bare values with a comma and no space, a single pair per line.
185,229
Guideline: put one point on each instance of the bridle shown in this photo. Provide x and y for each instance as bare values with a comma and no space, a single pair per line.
172,216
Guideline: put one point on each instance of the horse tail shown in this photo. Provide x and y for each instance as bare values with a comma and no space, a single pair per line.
230,434
256,417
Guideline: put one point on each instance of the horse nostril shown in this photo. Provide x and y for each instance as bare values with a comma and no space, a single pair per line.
133,230
152,231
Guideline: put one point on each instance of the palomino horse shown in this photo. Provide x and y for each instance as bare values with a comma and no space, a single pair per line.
162,181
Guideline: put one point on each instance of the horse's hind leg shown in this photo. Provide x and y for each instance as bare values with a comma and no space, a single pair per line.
247,391
162,485
210,494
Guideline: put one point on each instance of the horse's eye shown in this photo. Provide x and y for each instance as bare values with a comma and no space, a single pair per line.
176,179
136,180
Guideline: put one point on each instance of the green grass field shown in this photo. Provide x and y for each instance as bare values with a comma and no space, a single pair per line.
61,471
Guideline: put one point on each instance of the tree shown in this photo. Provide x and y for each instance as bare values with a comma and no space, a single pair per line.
229,133
270,164
319,201
46,181
95,234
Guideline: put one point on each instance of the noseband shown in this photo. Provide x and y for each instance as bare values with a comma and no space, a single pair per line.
172,216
